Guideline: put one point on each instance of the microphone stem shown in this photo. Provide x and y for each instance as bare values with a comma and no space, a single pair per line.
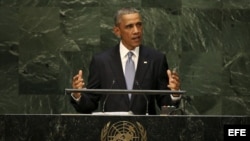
104,102
137,83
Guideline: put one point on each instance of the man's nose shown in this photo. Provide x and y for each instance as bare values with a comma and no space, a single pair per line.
135,29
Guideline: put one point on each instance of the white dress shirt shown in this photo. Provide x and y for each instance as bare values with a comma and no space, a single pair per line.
124,57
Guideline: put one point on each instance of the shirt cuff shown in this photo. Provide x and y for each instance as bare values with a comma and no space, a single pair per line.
175,98
76,99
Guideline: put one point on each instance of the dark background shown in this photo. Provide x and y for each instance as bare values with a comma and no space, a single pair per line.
43,43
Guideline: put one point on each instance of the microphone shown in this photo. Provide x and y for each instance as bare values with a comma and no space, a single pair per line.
137,83
186,98
104,102
188,101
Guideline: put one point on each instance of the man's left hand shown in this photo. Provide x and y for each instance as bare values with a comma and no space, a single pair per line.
174,81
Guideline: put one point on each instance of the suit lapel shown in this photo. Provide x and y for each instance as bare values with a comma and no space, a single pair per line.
116,65
142,67
143,64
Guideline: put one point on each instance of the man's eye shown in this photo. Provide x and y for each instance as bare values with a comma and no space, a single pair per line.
129,26
139,24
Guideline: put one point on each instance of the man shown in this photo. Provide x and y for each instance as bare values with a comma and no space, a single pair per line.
108,71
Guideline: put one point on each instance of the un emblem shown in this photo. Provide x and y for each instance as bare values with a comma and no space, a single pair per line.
123,131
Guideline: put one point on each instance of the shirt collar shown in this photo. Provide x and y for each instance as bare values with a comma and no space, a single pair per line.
124,50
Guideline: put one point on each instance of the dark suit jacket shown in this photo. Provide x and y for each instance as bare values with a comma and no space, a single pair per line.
106,72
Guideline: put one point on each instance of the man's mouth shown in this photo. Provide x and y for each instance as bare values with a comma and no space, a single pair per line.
136,38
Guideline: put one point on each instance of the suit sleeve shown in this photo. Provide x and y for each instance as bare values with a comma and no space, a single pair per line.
89,102
163,100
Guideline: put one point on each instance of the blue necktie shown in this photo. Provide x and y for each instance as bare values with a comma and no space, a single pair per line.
130,72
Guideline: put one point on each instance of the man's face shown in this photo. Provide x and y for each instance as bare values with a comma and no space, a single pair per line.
129,30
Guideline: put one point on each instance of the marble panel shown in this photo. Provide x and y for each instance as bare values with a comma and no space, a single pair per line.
203,73
236,4
202,4
39,44
81,29
201,105
78,4
235,105
32,3
174,6
120,3
236,40
201,30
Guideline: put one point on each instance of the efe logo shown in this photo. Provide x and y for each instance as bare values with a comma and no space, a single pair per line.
240,132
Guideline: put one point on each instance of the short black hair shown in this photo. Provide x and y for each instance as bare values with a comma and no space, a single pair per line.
124,11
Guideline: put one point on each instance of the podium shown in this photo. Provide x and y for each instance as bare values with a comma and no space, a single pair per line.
79,127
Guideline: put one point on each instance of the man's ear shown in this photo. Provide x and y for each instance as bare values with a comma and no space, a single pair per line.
116,31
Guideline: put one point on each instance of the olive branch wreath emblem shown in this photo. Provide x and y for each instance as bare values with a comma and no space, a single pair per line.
138,128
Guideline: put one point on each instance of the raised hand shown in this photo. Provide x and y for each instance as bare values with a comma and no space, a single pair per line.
78,83
174,81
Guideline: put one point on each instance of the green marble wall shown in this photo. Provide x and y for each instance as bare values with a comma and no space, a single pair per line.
43,44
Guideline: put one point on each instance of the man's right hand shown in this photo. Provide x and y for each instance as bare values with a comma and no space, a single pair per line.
78,83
